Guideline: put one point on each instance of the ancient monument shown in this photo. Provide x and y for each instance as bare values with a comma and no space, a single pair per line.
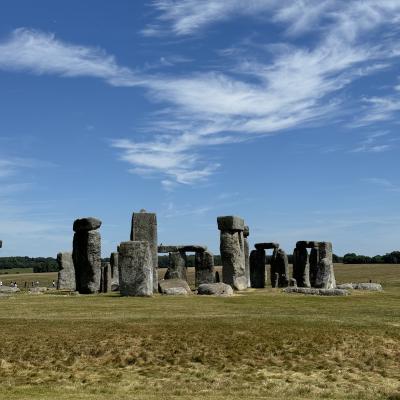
86,255
105,278
66,273
114,271
144,227
135,268
246,234
204,267
232,251
279,269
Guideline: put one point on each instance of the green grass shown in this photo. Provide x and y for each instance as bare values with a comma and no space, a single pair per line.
14,271
257,344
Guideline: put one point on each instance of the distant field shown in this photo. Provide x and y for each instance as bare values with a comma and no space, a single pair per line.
257,344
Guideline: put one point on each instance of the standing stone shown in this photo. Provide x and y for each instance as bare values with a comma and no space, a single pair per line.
301,266
177,268
114,272
105,281
204,268
144,227
86,256
314,261
232,251
279,269
257,268
136,268
66,273
325,276
246,234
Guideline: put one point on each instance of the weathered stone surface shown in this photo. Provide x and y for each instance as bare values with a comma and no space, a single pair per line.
325,276
215,289
266,245
37,290
314,261
192,248
178,286
301,267
217,278
114,272
292,282
204,268
66,273
317,292
246,234
230,223
144,227
177,268
307,243
232,258
86,224
105,280
279,269
375,287
86,257
257,268
9,289
135,268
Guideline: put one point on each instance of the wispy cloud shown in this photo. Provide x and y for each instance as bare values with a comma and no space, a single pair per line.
41,53
372,144
383,183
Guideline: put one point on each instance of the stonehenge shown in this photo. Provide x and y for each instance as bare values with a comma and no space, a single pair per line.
246,233
204,268
66,273
279,269
136,268
114,271
105,278
176,265
86,255
257,268
144,227
232,251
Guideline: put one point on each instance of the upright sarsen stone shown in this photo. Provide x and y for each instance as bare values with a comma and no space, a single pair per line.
314,261
301,266
279,269
105,280
246,234
66,273
257,268
136,268
177,267
86,257
144,227
325,276
204,268
232,251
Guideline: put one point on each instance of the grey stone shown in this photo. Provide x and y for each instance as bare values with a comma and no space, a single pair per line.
232,258
314,261
279,269
176,266
9,289
114,272
86,224
135,268
257,268
194,248
317,292
174,285
325,276
266,246
246,234
37,290
204,268
230,223
176,291
301,267
215,289
144,227
86,257
105,280
217,278
375,287
66,273
347,286
292,282
307,243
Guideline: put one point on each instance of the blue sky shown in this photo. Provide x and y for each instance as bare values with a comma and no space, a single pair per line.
283,112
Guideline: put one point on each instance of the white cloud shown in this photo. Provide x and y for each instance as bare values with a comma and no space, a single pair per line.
384,183
41,53
371,144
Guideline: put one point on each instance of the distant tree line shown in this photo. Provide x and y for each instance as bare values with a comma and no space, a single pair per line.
388,258
38,264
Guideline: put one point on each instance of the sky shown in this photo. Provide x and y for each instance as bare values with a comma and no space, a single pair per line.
284,112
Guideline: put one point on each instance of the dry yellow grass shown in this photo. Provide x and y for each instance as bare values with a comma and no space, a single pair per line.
258,344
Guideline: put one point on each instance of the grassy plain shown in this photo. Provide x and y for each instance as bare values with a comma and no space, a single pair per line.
257,344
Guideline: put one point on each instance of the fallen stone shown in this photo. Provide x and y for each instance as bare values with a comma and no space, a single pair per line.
66,273
317,292
86,224
170,285
144,228
37,290
266,245
346,286
215,289
136,268
230,223
9,289
176,291
374,287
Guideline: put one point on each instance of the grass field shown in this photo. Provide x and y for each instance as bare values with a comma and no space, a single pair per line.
257,344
